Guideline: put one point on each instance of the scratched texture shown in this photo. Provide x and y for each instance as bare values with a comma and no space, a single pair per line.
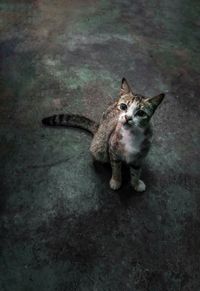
61,226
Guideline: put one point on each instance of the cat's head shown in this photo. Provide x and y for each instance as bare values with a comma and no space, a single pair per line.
136,110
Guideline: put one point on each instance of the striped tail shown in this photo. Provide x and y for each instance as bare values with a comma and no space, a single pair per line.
71,120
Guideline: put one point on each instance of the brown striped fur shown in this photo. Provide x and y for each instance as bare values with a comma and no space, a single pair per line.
71,120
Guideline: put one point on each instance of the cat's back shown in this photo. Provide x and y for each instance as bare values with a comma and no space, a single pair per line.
99,145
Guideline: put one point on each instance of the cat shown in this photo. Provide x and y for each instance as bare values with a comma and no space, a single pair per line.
123,134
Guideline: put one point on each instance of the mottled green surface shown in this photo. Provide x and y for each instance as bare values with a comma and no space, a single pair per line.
62,228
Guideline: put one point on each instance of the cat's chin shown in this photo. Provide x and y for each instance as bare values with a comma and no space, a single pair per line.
127,125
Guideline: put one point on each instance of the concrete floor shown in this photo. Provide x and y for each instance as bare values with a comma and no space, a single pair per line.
62,228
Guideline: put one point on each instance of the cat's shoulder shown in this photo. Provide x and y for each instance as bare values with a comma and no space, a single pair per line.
110,111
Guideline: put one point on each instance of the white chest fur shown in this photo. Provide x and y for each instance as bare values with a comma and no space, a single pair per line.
132,141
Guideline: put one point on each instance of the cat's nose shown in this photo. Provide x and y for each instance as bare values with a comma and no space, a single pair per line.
128,118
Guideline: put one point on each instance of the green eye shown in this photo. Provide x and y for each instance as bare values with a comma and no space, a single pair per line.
123,106
140,113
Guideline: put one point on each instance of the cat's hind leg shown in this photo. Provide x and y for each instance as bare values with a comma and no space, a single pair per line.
137,184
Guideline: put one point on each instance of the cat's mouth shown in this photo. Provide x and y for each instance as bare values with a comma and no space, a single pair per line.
128,124
128,121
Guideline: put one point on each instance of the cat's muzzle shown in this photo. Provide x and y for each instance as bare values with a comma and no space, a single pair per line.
128,120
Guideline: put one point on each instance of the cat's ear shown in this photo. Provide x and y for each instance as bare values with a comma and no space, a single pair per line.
156,100
125,88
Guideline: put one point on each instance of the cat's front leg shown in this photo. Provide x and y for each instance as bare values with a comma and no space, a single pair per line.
137,184
116,179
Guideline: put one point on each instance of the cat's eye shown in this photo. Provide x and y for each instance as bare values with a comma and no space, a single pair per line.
123,106
141,113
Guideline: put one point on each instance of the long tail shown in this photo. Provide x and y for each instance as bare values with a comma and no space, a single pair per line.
71,120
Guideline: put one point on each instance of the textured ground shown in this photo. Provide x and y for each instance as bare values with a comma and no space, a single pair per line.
61,227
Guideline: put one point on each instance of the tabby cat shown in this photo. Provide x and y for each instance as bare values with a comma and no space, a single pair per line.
122,135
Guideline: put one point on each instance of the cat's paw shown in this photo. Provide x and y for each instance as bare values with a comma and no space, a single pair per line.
140,186
115,184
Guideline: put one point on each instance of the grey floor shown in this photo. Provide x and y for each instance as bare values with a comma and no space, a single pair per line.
62,228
